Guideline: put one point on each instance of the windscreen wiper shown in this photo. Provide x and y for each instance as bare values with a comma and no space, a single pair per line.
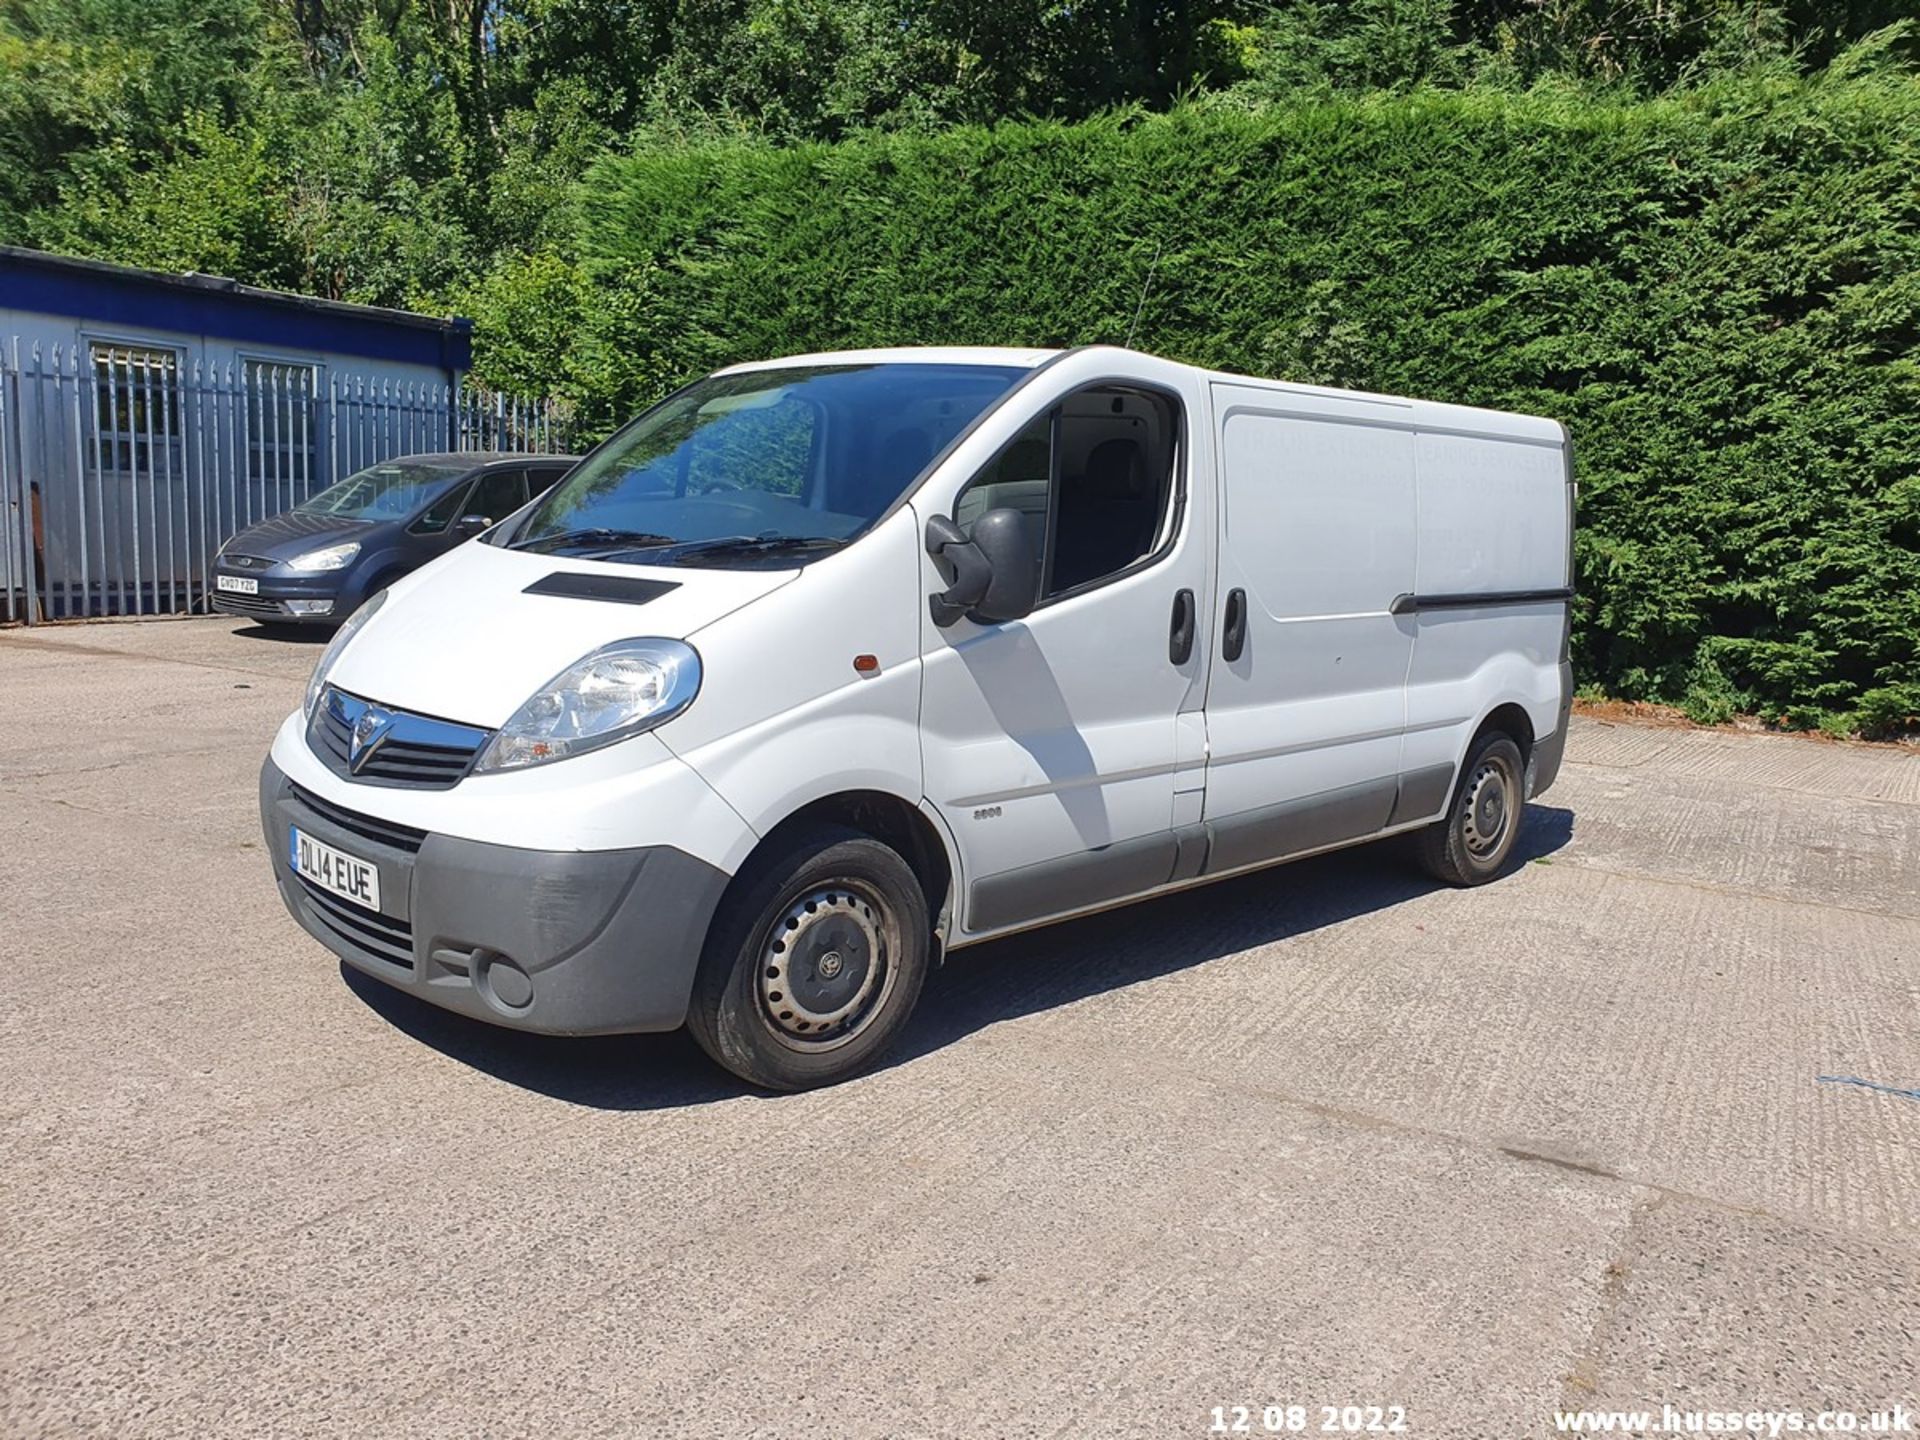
596,537
751,545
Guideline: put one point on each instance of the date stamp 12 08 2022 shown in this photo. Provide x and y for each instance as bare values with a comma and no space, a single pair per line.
1295,1419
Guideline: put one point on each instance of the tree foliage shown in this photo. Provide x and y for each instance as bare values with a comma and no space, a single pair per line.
399,151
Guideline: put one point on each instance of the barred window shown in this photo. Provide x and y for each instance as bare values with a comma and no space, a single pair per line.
137,408
280,431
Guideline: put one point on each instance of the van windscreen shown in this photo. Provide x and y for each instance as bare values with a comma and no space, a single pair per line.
762,467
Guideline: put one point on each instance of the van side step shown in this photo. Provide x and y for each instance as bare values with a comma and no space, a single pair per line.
1072,882
1312,822
1132,868
1422,793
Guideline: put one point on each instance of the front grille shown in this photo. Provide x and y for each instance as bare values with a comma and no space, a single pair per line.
367,827
418,751
244,562
382,937
246,604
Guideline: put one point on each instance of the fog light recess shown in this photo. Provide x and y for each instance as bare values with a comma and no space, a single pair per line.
502,981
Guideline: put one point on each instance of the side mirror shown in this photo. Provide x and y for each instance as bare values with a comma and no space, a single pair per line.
467,527
995,572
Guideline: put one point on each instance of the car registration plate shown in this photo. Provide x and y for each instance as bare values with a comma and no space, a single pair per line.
238,584
347,876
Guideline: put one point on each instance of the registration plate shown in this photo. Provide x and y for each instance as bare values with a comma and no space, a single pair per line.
238,584
347,876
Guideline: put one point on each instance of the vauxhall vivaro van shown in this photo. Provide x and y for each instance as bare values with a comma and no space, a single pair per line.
825,666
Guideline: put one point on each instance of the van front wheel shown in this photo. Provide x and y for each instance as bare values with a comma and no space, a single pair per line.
814,962
1472,844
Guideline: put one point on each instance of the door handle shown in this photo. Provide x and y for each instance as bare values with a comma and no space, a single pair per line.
1180,632
1233,635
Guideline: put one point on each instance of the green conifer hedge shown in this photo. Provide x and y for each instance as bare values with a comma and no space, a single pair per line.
1718,292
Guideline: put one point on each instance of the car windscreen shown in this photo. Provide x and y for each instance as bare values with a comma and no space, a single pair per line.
382,492
763,466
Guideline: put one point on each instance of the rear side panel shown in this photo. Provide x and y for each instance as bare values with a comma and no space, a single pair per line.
1494,519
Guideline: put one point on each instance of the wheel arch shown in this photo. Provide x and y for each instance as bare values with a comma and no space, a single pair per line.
1510,718
890,819
1446,848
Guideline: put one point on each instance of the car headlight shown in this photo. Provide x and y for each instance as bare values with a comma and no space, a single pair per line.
334,557
619,690
337,647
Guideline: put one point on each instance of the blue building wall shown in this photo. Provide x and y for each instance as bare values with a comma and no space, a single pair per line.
145,417
47,297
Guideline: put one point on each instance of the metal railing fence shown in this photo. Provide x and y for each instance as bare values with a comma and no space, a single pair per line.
122,470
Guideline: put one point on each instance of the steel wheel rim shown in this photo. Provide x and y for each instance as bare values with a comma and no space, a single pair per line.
1488,821
828,966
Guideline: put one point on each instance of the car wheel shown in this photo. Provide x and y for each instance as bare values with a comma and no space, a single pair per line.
1473,842
814,963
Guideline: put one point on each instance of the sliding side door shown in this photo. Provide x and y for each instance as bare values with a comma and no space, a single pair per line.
1306,702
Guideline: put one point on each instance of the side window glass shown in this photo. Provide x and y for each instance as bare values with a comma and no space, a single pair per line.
1093,479
541,481
497,495
442,512
1114,484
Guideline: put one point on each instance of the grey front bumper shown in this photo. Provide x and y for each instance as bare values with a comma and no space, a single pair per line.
559,942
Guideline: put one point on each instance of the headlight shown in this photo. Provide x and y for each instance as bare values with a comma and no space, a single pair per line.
337,646
334,557
619,690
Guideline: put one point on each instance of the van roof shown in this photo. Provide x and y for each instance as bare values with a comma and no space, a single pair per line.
906,355
1436,415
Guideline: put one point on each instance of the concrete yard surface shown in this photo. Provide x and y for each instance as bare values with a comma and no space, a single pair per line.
1329,1135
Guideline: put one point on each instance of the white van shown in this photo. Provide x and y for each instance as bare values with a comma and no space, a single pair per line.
826,666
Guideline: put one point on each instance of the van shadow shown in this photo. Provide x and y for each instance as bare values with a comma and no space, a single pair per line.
605,1072
1013,677
982,986
1078,959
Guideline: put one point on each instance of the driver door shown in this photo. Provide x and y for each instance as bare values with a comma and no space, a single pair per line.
1062,749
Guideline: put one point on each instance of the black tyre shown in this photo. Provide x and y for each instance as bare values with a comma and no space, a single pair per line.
814,963
1474,841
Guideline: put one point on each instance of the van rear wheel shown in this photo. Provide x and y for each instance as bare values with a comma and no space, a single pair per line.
1473,842
814,963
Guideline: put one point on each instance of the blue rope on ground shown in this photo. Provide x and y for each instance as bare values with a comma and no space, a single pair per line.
1867,1085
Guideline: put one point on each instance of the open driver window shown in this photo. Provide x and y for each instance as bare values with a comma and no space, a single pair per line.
1093,479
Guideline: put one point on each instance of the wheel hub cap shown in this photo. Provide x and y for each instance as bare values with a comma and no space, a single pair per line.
826,958
1488,809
